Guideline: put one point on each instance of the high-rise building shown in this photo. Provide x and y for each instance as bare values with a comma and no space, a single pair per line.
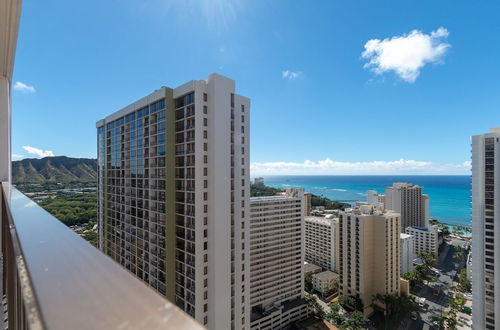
407,251
320,239
407,200
369,254
259,180
307,205
373,197
173,196
485,230
277,260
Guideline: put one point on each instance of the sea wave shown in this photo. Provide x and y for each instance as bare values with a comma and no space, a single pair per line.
336,189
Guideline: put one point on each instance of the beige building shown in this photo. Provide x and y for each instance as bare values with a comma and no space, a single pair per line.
369,254
320,236
409,201
307,205
277,260
424,239
325,282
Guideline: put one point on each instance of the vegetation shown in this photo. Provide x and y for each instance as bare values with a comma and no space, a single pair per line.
348,321
352,303
461,230
327,203
44,187
308,285
460,254
89,234
464,284
314,306
54,169
397,308
260,189
423,272
72,209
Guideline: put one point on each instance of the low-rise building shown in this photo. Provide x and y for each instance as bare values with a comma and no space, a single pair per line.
310,269
325,282
320,237
425,239
407,253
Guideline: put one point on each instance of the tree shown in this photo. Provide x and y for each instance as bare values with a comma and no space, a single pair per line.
464,283
334,315
439,320
396,308
308,285
351,302
459,254
355,321
315,307
428,259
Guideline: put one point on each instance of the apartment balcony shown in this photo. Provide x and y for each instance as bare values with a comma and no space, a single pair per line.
61,279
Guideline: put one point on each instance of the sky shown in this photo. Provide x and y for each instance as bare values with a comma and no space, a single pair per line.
337,87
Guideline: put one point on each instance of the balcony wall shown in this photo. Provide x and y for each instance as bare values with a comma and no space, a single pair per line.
53,279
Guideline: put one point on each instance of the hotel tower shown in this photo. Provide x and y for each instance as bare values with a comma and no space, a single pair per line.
173,196
485,229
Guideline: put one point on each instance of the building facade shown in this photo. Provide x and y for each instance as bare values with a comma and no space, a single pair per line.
409,201
321,234
485,231
407,253
325,282
307,205
277,260
424,239
173,177
369,254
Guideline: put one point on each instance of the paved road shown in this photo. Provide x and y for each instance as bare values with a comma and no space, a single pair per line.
436,304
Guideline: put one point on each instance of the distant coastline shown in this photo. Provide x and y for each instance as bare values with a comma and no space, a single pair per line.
449,194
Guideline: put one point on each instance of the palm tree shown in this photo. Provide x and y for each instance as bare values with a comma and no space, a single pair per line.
355,321
334,315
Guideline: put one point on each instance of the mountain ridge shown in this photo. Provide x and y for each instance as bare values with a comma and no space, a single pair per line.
54,169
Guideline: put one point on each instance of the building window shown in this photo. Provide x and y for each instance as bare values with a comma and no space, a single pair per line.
205,97
205,109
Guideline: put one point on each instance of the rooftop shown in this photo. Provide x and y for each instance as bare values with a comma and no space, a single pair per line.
326,275
320,220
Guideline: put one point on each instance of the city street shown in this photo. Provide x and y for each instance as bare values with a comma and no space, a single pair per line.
434,305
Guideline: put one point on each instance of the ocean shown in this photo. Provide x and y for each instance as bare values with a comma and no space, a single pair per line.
450,195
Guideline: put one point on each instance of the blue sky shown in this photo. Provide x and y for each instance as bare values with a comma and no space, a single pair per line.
317,106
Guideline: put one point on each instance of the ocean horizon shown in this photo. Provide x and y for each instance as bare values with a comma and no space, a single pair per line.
449,195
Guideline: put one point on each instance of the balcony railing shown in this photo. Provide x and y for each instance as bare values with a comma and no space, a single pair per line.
53,279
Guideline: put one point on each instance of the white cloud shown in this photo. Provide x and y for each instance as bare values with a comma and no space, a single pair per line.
17,156
291,75
22,87
407,54
38,152
331,167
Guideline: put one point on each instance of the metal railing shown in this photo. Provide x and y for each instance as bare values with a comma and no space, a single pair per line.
53,279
